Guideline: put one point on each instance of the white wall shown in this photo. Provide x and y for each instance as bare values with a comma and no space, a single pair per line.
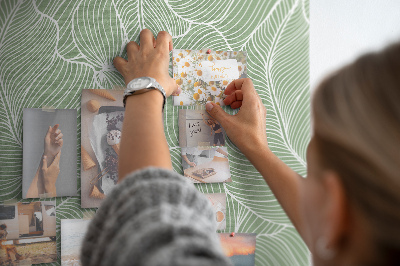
341,30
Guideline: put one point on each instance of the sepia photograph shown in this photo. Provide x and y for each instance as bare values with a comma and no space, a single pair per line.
28,233
49,153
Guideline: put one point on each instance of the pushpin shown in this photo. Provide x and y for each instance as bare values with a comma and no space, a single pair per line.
232,234
208,51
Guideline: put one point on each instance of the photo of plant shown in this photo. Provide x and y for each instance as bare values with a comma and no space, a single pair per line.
72,233
239,247
28,233
206,164
102,114
199,85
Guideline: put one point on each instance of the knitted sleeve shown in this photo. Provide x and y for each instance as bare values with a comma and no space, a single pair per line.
153,217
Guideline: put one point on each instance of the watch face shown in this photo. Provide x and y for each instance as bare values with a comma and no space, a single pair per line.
140,83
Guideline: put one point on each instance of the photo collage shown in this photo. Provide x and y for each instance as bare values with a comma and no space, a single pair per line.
50,141
203,76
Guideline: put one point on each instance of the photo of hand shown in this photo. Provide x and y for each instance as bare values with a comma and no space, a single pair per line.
44,182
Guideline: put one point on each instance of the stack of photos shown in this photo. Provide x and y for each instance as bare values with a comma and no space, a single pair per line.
28,233
72,234
102,114
204,74
49,153
202,141
239,247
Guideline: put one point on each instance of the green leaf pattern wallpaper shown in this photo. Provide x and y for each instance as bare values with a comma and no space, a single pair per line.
51,50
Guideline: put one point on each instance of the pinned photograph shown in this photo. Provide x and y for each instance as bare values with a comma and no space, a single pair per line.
49,153
102,114
218,201
206,164
239,247
198,128
72,234
204,74
28,233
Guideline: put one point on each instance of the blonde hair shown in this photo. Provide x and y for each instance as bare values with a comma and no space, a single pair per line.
357,133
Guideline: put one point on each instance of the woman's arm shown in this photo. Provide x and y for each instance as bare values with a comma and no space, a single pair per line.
250,121
36,188
143,142
184,157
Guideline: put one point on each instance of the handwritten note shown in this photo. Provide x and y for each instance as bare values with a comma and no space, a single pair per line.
193,128
219,70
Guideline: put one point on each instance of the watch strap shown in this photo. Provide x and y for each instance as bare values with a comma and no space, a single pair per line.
153,86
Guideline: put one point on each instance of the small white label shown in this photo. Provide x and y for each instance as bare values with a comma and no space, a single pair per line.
219,70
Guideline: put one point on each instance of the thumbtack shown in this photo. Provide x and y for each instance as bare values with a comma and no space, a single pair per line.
208,51
232,234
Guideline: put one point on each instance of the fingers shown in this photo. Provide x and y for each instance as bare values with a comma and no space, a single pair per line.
177,92
245,85
54,129
131,48
59,137
217,113
164,41
44,163
120,64
60,142
146,40
235,99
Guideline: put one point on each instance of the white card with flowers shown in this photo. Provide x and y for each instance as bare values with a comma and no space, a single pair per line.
204,74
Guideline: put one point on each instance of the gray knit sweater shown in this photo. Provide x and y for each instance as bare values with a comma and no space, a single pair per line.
153,217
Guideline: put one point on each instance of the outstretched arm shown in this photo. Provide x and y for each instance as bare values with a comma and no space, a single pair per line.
143,142
250,121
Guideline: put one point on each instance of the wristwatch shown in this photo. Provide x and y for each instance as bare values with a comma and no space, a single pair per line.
142,85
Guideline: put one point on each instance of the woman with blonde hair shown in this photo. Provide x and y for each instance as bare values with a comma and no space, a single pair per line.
346,210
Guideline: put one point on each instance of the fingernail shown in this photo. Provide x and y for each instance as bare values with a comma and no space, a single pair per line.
44,157
209,106
179,90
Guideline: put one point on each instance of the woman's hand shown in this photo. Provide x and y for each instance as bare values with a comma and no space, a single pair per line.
50,174
247,128
53,142
150,59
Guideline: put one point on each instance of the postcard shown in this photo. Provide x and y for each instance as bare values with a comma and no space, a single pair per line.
206,164
218,201
204,74
28,233
239,247
72,234
198,128
102,114
49,153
